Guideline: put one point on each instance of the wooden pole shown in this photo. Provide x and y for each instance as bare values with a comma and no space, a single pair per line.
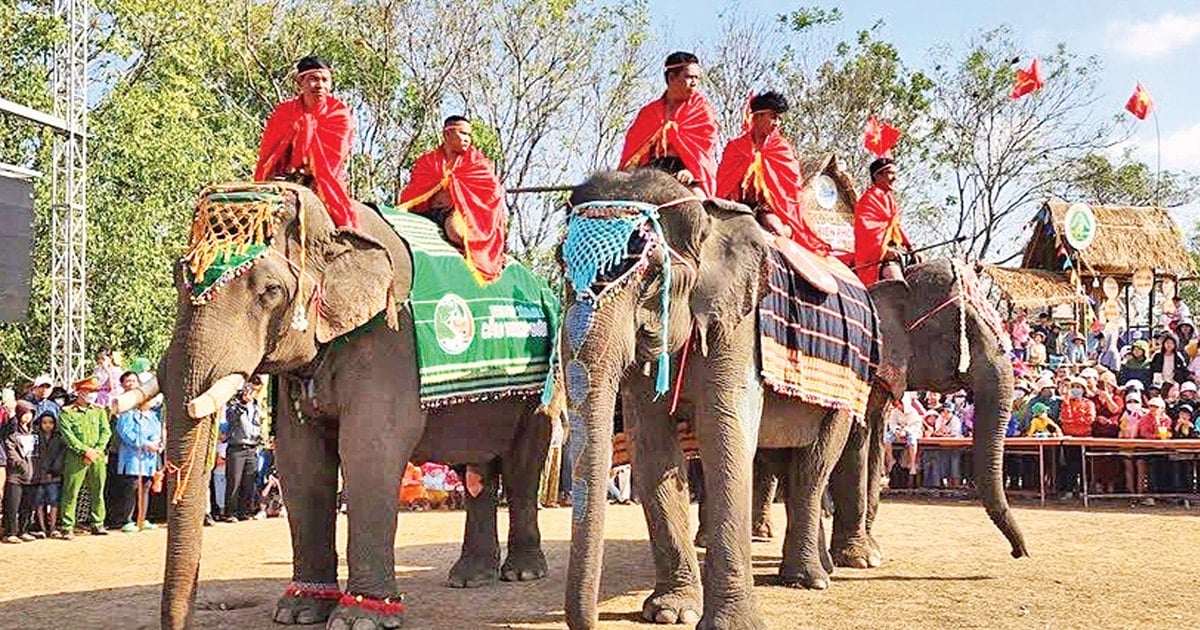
538,189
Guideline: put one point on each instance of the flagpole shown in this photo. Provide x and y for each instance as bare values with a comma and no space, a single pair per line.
1158,150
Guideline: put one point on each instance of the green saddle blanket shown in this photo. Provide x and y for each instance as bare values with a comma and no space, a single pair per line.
474,342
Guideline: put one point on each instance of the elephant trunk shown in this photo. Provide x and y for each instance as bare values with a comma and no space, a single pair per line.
183,375
598,353
993,405
591,445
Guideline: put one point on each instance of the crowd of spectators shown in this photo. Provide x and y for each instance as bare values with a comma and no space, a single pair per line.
66,463
1075,384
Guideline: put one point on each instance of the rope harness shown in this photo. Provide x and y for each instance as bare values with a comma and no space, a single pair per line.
617,236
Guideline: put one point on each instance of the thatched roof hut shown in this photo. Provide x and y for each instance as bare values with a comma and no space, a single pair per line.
1031,288
828,199
1127,238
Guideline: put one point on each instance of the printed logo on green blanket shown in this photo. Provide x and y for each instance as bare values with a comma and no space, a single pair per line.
453,324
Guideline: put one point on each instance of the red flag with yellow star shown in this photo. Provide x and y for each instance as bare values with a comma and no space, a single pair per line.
1027,81
880,137
1140,104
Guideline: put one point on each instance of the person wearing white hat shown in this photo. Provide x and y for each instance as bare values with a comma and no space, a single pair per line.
39,396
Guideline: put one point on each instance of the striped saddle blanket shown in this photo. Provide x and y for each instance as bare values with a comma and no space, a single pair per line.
819,347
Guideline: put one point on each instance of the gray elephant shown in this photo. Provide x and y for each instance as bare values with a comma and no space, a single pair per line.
924,312
715,266
936,307
347,379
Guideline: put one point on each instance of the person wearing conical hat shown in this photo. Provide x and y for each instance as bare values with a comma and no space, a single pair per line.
85,431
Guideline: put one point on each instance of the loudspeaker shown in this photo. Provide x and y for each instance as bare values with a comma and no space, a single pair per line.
16,247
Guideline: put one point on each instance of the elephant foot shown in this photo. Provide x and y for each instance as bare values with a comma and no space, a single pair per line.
355,612
813,578
853,555
733,616
524,566
306,604
761,531
476,571
671,607
875,558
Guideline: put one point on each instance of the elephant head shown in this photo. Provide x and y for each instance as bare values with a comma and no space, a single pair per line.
267,279
617,320
924,312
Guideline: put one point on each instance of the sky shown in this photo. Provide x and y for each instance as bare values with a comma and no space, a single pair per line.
1152,41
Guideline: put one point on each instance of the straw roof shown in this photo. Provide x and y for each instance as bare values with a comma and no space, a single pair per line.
1127,238
1032,288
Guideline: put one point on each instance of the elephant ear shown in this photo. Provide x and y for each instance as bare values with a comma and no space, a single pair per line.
731,273
356,285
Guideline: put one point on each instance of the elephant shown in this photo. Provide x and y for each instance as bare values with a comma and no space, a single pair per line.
717,254
348,392
915,315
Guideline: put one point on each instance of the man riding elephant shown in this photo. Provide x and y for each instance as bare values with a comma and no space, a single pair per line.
307,141
677,132
879,242
760,169
456,186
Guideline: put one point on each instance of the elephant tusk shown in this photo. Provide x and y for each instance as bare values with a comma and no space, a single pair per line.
214,398
702,332
134,397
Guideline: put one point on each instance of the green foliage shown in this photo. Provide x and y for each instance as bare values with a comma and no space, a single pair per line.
805,18
1097,179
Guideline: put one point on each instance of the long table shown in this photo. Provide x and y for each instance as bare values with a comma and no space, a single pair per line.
1101,447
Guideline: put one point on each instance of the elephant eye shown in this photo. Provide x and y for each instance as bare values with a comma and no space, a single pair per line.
272,291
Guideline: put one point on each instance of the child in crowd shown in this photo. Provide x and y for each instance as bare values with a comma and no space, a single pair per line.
1185,423
1040,424
48,475
19,451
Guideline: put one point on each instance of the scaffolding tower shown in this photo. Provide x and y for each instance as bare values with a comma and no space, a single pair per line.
68,215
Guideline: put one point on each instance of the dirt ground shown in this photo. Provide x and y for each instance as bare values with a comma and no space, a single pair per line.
946,567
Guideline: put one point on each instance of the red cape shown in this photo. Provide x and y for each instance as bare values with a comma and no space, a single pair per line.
876,223
770,173
475,192
692,135
318,141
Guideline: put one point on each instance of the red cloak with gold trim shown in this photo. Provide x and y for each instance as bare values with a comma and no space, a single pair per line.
691,134
317,141
876,225
476,194
769,174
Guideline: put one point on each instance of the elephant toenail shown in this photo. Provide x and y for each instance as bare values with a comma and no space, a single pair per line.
363,624
689,617
283,615
337,624
666,616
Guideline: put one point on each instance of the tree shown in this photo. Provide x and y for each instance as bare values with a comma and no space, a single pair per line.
994,156
1097,179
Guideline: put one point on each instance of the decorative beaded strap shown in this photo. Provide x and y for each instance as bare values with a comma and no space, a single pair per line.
384,606
314,590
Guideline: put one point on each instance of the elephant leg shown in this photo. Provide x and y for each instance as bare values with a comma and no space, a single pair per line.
479,562
848,487
380,422
660,476
765,483
875,470
727,423
522,470
307,460
807,477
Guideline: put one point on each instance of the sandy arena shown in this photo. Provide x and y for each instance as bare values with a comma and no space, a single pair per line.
946,567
